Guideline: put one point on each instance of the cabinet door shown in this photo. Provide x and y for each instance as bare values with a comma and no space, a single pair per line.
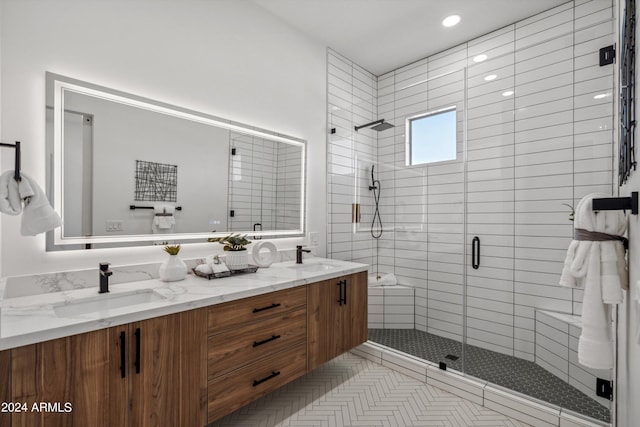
71,378
5,386
324,322
355,330
168,364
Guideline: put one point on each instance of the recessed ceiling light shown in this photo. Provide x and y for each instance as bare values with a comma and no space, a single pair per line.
450,21
490,77
507,93
600,96
479,58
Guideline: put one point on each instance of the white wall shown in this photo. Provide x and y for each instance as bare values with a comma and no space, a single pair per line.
226,58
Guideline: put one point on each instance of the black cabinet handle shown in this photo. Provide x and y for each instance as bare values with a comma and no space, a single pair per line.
344,292
475,253
137,362
123,354
273,338
257,310
340,292
273,375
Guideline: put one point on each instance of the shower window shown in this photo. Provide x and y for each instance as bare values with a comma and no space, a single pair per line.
431,137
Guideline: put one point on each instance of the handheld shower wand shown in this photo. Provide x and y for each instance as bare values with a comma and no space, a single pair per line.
376,223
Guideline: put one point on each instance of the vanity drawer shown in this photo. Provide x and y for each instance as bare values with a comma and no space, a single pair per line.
234,313
237,347
235,389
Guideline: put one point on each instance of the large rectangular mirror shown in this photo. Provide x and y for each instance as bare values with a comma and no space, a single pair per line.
125,170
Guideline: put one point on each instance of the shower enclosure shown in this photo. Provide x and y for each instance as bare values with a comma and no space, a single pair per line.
477,243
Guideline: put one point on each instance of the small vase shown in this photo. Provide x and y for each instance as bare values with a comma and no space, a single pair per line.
172,269
237,260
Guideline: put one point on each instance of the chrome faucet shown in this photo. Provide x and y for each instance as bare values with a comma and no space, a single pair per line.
104,277
299,251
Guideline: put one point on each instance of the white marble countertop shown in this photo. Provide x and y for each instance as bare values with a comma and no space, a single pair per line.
35,318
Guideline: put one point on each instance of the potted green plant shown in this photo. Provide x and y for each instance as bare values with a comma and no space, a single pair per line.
237,256
173,268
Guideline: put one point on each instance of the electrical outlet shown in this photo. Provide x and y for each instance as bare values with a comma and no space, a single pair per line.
114,224
313,237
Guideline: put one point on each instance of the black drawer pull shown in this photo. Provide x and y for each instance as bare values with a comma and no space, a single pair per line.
273,337
123,355
340,290
257,310
273,375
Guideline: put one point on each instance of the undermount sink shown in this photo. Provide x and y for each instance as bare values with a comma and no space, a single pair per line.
104,302
312,268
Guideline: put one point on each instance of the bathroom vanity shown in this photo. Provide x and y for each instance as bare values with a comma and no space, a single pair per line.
200,351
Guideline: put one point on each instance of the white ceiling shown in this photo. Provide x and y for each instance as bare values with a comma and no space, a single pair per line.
382,35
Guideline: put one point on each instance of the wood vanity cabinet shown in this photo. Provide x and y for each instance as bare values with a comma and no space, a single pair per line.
147,373
73,370
166,369
5,386
255,346
337,317
186,369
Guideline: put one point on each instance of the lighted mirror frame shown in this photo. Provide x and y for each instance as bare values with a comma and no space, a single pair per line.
57,85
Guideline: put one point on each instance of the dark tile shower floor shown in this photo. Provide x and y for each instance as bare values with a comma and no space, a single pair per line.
507,371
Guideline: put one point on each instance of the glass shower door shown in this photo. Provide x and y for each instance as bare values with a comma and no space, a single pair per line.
441,305
535,128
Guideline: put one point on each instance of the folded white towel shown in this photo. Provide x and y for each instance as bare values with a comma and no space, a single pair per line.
204,269
27,197
383,280
163,217
600,268
219,267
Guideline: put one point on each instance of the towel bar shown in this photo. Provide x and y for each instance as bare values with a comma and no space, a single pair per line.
134,207
16,169
617,203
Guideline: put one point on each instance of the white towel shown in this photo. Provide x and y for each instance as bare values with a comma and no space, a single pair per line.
600,268
10,189
219,267
383,280
204,269
27,197
163,217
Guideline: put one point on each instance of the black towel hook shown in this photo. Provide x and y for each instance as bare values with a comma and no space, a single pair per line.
16,169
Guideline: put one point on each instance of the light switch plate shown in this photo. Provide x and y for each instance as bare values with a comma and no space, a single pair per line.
313,238
114,225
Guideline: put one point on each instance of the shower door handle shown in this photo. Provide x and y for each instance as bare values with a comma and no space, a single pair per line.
475,253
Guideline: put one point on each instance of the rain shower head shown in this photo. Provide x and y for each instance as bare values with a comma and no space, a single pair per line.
378,125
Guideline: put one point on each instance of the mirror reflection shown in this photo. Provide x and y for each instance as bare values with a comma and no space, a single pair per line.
128,170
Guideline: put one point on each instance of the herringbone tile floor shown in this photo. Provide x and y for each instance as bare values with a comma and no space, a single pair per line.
351,391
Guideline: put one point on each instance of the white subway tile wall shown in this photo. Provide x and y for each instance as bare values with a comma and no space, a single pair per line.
264,186
536,139
556,350
391,307
252,188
